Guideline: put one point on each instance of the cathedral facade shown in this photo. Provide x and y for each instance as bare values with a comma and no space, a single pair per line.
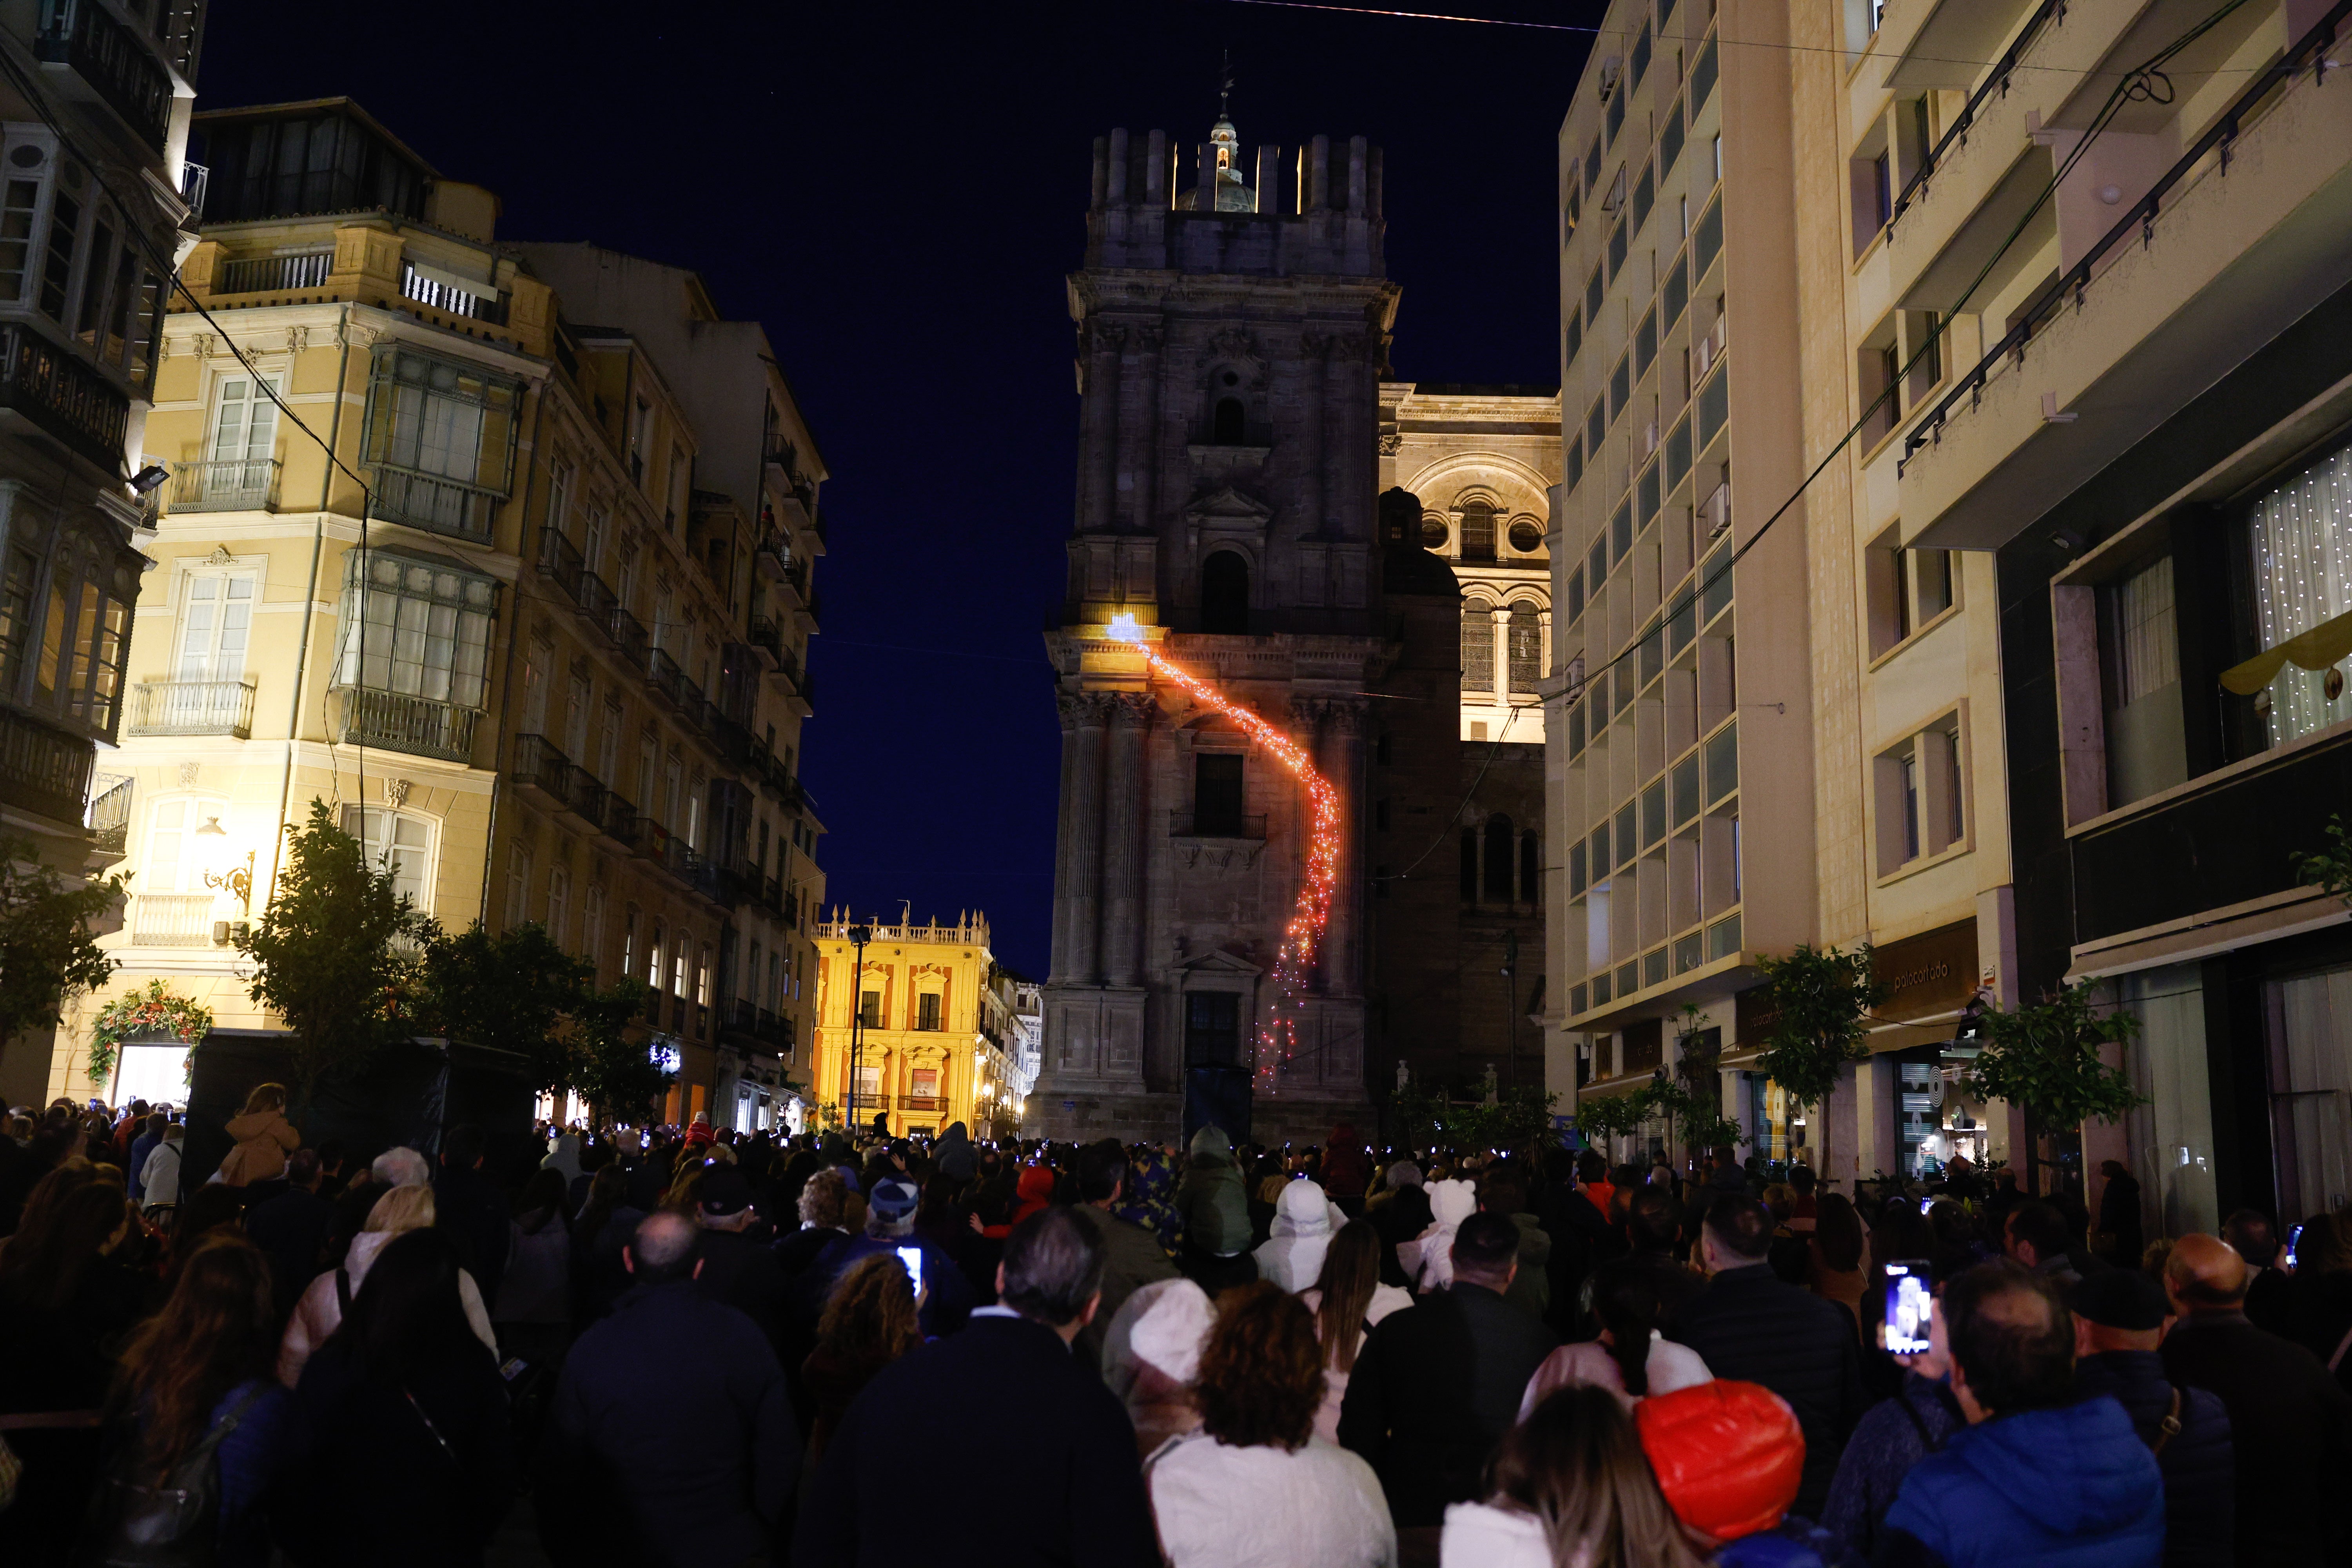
1231,339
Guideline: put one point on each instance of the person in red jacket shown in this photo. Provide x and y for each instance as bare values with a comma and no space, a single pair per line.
1036,1191
1728,1457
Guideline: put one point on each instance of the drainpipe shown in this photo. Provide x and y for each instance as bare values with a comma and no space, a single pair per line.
310,597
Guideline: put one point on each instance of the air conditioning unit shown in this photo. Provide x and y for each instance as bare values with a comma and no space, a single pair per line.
1611,69
1715,511
1649,437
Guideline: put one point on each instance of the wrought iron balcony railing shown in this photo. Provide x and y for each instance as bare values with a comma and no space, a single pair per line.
45,771
63,395
226,484
192,708
110,814
396,722
434,503
110,59
273,273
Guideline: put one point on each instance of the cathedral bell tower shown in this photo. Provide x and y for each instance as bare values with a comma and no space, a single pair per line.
1233,316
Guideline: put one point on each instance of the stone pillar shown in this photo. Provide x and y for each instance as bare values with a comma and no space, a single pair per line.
1312,346
1146,455
1101,476
1124,819
1340,759
1078,900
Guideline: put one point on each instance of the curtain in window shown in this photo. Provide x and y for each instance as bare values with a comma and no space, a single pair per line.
2301,538
425,632
1527,648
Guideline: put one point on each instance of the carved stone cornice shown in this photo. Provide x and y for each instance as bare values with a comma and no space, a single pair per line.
1149,337
1130,708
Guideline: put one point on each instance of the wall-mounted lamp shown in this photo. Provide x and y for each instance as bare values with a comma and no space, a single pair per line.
237,879
149,478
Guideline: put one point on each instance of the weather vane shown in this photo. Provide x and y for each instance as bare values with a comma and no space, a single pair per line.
1225,85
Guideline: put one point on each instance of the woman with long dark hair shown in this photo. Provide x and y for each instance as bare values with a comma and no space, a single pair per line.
1254,1487
1570,1487
411,1459
1630,1359
868,1323
198,1395
1346,1300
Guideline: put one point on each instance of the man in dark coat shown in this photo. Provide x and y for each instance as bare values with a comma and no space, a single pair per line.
468,1206
1750,1326
2290,1423
293,1229
738,1252
1132,1256
1077,1496
672,1440
2119,1316
1435,1389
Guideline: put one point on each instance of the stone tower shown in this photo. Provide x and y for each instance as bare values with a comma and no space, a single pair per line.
1232,335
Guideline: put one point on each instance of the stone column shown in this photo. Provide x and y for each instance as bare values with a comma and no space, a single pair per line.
1341,758
1146,456
1078,881
1124,819
1312,346
1102,458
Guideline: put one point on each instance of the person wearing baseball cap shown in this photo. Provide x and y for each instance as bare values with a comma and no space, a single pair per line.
738,1251
2119,1319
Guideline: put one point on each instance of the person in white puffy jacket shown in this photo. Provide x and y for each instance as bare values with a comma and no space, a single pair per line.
1427,1260
1305,1220
320,1313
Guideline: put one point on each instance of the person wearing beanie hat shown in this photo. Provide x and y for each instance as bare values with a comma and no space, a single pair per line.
1305,1220
1151,1353
889,1228
1213,1202
2039,1475
1728,1457
2119,1319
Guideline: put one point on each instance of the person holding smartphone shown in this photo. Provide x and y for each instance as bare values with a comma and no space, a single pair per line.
1895,1434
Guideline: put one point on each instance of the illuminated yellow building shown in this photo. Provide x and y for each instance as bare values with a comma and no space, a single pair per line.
938,1027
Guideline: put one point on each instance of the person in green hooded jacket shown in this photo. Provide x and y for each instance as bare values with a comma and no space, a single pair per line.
1215,1209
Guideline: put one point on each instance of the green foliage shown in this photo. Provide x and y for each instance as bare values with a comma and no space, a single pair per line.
517,992
328,951
1424,1119
144,1011
2328,869
46,953
2045,1058
1819,997
1612,1115
614,1073
1691,1122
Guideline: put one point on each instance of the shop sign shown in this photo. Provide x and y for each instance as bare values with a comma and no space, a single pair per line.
1935,972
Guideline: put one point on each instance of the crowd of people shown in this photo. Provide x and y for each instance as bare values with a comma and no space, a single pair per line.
682,1346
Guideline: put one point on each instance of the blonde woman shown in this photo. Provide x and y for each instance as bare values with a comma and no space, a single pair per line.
320,1310
263,1138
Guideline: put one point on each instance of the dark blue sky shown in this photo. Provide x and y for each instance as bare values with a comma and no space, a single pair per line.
898,192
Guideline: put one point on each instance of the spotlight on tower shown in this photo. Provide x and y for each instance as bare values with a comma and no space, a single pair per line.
1122,628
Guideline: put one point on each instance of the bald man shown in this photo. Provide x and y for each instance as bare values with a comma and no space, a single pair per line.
2289,1421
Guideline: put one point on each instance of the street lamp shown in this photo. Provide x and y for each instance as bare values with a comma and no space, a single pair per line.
858,937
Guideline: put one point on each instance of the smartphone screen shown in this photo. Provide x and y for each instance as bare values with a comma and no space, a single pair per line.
2293,1238
912,1256
1926,1203
1909,1301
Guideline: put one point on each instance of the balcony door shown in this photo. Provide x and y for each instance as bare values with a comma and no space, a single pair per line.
216,623
245,437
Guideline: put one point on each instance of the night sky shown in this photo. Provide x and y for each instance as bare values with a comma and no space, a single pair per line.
898,192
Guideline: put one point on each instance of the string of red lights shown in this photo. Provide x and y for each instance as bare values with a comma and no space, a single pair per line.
1303,937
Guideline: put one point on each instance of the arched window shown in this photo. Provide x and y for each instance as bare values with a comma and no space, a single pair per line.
1530,868
1527,648
1469,865
1224,593
1502,843
1228,426
1478,646
1477,530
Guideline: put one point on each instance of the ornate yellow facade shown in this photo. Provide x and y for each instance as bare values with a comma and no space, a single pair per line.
939,1038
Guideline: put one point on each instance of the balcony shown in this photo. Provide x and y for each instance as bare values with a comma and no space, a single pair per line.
195,183
109,817
669,681
1215,824
63,395
766,640
621,822
395,721
771,555
172,919
232,484
434,503
2238,240
450,299
274,274
192,708
45,771
554,777
930,1102
109,58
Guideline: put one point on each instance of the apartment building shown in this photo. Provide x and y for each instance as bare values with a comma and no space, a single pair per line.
95,191
391,606
1679,758
2140,442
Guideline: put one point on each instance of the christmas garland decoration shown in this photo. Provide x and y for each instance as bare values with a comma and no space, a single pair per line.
146,1011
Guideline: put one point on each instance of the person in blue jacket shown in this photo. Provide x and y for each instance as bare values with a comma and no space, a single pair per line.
2040,1478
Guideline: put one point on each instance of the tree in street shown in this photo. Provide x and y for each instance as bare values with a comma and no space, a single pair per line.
2044,1058
1819,998
46,953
